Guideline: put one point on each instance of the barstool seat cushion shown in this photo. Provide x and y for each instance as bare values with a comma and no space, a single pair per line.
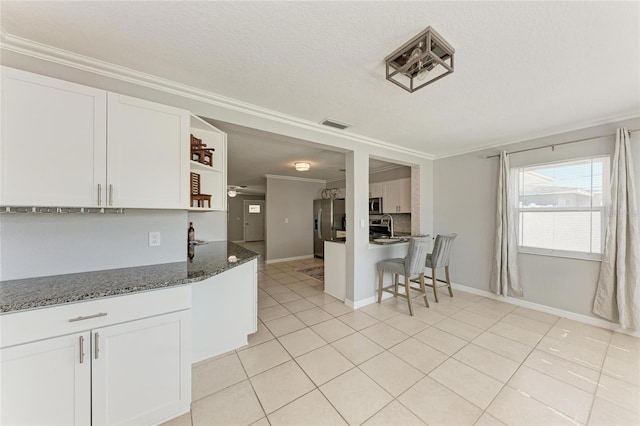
392,265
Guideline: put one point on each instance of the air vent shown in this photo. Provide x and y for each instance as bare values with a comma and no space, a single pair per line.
336,124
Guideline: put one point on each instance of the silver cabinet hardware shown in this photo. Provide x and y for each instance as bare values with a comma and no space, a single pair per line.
99,194
101,314
81,349
96,344
110,194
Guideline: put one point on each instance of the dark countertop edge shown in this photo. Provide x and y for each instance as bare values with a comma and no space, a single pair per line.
51,302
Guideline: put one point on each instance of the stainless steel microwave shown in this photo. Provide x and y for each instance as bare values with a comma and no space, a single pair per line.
375,205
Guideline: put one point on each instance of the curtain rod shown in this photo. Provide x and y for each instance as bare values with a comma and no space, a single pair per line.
553,145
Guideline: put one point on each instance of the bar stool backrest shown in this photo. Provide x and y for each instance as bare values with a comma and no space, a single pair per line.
417,255
442,250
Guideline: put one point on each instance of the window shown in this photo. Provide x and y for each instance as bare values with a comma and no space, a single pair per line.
561,207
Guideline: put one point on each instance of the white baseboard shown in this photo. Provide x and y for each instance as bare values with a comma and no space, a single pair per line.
364,302
239,241
586,319
287,259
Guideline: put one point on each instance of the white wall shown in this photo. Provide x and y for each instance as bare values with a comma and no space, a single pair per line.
289,217
464,202
34,245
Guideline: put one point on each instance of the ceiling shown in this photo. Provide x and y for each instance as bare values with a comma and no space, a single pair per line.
252,153
522,69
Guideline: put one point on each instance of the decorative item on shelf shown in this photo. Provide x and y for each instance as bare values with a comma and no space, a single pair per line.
195,192
191,233
200,152
422,60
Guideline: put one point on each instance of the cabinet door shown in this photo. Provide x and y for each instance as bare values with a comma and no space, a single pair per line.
390,197
404,186
141,370
46,382
53,143
147,155
375,190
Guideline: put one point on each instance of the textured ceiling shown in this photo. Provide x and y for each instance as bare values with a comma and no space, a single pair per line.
522,68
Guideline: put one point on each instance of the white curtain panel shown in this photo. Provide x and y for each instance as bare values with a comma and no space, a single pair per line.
618,291
505,278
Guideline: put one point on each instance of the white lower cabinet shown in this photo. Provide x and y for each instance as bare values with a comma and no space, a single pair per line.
44,383
136,372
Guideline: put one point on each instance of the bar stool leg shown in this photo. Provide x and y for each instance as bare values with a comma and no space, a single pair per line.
446,271
435,283
424,290
395,283
380,278
407,288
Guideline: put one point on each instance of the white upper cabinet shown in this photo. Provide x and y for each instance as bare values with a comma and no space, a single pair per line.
147,154
396,196
53,142
68,145
375,190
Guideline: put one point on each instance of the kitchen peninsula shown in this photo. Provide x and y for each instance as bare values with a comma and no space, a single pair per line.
78,344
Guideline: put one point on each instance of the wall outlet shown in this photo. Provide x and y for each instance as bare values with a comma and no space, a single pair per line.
154,239
286,220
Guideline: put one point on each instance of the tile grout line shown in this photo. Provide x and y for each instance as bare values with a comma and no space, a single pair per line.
595,393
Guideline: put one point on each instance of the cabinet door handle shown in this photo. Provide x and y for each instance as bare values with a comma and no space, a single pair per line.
101,314
99,194
96,344
110,195
81,349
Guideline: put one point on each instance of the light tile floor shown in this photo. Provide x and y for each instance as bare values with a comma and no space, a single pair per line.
466,360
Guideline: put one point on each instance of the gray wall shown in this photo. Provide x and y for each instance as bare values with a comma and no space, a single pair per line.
235,223
34,245
464,202
292,200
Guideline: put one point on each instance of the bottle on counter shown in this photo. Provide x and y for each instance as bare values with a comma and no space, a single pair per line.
191,233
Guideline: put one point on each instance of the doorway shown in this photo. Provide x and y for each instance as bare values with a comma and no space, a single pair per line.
254,220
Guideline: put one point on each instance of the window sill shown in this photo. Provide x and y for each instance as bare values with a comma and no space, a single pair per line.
577,256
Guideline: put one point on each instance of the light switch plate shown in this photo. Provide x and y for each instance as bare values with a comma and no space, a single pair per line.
154,239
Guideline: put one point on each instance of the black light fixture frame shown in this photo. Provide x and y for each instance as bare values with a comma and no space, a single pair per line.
435,50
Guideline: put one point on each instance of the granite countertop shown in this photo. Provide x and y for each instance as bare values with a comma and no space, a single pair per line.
390,241
203,261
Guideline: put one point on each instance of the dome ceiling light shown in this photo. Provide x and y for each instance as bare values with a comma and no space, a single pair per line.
302,166
422,60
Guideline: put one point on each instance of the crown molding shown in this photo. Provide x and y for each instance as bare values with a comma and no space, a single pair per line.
295,178
629,115
23,46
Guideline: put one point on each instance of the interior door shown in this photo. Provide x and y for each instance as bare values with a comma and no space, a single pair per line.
254,220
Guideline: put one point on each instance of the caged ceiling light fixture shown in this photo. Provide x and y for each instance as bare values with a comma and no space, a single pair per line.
422,60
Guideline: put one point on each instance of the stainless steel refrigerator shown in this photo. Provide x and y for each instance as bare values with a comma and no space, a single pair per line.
328,218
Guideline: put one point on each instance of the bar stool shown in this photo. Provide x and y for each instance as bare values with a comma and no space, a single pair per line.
409,267
439,258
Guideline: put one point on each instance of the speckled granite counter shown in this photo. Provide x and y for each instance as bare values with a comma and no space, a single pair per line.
205,261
